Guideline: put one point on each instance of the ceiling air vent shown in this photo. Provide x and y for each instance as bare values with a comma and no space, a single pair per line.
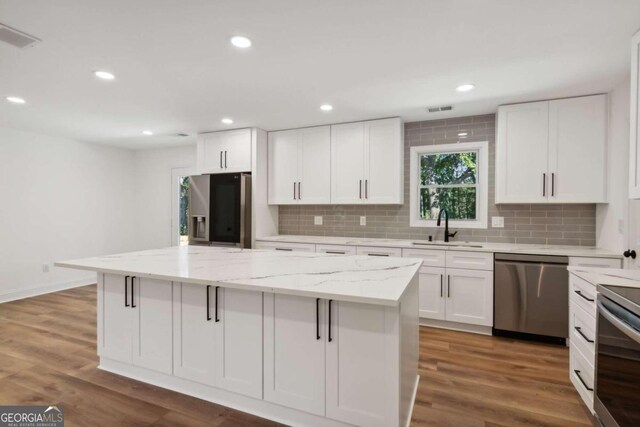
16,38
437,109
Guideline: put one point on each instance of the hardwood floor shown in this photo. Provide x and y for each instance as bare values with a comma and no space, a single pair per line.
48,355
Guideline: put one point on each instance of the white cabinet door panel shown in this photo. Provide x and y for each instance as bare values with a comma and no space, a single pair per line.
210,153
238,349
194,347
634,148
153,324
314,165
431,293
359,387
115,334
522,153
237,146
578,154
383,161
283,167
294,356
347,163
470,296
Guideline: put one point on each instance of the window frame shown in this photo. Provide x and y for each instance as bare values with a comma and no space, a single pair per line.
482,192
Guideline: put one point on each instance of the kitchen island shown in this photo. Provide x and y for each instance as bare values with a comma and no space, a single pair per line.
301,338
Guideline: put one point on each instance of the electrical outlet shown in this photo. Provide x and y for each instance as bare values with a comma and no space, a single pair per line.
497,221
45,268
317,220
363,220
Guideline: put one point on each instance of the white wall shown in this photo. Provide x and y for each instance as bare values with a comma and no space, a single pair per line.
61,199
153,193
609,217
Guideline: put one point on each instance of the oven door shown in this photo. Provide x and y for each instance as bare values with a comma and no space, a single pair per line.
617,398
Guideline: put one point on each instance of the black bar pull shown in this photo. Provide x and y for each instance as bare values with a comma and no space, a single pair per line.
441,279
366,188
581,380
126,297
225,159
317,318
208,299
583,296
335,252
544,184
330,337
217,319
133,304
294,190
299,190
579,330
553,184
221,160
284,249
448,286
361,189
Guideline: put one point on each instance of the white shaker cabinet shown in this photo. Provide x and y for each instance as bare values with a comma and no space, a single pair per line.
299,166
634,141
469,296
218,337
224,151
294,352
367,162
431,294
135,322
552,151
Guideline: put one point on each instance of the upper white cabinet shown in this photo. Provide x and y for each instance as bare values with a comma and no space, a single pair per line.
552,151
299,166
224,152
367,162
634,149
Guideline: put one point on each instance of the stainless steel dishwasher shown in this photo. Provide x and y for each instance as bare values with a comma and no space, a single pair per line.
531,297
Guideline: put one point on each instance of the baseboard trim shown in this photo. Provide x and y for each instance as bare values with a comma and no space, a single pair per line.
46,289
455,326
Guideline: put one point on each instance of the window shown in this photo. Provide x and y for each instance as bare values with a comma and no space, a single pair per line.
452,177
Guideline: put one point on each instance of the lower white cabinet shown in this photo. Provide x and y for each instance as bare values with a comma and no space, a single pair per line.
469,296
432,301
135,321
218,337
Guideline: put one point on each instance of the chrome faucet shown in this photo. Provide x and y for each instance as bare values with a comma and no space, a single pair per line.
446,224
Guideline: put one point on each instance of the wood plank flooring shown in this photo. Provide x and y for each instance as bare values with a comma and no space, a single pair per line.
48,355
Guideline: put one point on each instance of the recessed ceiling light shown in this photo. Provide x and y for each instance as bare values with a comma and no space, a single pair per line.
104,75
147,132
241,42
465,88
463,133
326,107
15,100
227,121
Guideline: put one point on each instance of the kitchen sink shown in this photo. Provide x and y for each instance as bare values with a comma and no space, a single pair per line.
446,244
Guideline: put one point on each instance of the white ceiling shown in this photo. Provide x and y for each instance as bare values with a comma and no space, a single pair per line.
176,71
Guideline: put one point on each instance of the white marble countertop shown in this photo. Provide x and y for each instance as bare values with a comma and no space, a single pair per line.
575,251
374,280
608,276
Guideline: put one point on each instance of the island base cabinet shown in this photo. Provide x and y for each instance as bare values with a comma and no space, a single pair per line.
294,352
218,337
135,321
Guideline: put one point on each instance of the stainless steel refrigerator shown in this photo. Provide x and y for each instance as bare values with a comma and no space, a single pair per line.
220,210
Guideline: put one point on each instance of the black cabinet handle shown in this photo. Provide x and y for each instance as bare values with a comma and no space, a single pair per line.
225,159
448,286
330,337
553,184
299,190
579,330
366,188
294,190
126,297
317,318
544,184
360,186
208,305
221,160
376,254
441,279
629,253
581,380
217,319
284,249
133,304
583,296
335,252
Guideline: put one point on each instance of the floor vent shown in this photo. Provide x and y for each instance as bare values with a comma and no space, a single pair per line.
437,109
16,38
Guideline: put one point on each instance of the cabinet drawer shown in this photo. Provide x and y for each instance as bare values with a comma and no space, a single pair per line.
470,260
582,331
581,374
429,257
288,247
595,262
583,294
336,249
378,251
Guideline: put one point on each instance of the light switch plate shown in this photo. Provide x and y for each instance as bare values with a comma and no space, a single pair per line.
317,220
363,220
497,222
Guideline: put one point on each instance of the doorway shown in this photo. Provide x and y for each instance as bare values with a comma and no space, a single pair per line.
180,182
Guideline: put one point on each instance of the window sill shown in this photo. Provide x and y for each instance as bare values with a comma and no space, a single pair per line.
452,224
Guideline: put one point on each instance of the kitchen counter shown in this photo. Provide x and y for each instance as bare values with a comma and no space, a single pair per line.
377,280
572,251
608,276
